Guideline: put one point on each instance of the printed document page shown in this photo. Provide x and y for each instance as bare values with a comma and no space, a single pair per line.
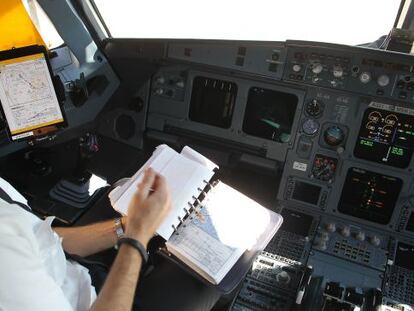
214,238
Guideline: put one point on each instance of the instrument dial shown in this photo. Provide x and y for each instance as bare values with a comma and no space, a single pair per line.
310,127
324,168
334,136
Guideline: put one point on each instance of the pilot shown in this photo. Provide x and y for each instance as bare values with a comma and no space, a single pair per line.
36,274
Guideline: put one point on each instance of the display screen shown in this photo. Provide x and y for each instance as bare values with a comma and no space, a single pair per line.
386,137
269,114
28,97
305,192
368,195
296,222
212,101
404,256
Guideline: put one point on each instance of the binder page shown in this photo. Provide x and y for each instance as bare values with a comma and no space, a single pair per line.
158,162
218,234
198,157
117,192
183,177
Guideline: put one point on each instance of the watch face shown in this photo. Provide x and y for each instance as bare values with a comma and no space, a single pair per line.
119,230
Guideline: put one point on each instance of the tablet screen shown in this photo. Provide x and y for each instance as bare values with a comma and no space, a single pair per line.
27,95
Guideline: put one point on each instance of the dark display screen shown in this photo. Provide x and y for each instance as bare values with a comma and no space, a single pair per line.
296,222
305,192
212,101
368,195
405,256
270,114
386,137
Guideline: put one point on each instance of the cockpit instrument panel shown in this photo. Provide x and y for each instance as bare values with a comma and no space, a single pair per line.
386,137
368,195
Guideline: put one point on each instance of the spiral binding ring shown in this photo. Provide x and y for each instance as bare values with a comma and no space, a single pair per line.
202,191
175,229
196,200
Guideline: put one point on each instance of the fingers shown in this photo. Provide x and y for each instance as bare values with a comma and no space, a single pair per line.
147,183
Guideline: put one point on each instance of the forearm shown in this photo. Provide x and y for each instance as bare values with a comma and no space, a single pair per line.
119,288
87,240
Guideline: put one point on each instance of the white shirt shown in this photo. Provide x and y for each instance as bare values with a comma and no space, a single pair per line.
34,273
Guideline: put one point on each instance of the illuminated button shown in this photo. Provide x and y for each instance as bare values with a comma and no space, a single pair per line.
331,227
360,236
345,231
383,80
365,77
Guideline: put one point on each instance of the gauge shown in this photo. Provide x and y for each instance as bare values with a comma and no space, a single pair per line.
334,136
310,127
314,108
324,167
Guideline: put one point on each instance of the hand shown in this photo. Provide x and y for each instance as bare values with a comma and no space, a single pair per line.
148,208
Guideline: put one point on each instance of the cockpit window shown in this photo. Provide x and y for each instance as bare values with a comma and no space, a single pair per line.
43,24
337,21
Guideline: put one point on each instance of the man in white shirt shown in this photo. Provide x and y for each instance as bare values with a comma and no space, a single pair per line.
35,274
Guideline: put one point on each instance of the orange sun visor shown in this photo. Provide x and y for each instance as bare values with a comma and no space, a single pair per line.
16,26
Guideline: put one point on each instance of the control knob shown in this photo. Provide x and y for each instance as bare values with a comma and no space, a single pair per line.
317,68
383,80
365,77
159,91
160,80
324,236
337,71
296,68
322,245
180,84
360,236
345,231
331,227
314,108
283,277
376,241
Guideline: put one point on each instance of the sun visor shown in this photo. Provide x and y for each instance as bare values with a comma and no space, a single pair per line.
16,26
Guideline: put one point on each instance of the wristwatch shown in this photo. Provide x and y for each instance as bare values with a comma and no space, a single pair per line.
119,230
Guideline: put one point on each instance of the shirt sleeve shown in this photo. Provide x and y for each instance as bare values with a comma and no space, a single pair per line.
25,283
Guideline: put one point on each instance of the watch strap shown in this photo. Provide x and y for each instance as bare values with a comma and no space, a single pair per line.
137,245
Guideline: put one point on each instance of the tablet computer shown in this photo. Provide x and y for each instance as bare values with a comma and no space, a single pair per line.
28,97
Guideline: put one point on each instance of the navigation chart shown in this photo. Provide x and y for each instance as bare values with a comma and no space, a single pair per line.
27,94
